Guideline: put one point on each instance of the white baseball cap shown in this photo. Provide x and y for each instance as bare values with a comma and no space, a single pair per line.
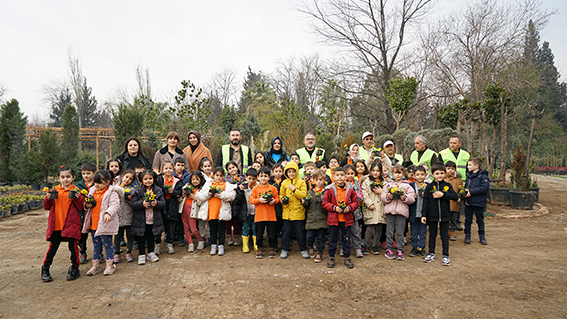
388,143
367,134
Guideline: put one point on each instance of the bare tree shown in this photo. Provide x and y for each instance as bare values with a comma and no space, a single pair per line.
224,86
76,81
144,83
375,32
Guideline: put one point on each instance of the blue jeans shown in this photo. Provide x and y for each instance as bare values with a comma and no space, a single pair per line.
479,213
334,238
98,242
248,226
320,235
298,226
418,233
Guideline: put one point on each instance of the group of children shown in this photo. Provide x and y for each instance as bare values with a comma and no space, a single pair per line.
347,207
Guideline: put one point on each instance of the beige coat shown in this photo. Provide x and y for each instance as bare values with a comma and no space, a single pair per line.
376,216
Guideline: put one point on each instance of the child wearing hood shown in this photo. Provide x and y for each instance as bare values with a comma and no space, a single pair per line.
293,214
397,196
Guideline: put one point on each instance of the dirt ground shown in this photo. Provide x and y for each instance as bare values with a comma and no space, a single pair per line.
520,274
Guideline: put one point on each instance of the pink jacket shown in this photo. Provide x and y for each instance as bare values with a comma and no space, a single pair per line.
110,204
398,206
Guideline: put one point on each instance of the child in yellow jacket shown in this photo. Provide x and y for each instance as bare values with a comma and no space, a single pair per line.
292,191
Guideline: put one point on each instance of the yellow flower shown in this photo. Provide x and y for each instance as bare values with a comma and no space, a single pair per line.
379,149
45,189
392,190
446,188
84,192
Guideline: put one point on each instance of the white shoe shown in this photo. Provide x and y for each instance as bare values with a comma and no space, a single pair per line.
221,250
201,245
213,249
142,260
191,248
169,248
152,257
157,249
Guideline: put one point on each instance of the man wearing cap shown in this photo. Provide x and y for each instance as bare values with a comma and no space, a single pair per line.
422,154
456,154
310,153
367,141
389,149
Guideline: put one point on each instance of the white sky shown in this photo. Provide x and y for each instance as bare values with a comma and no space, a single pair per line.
176,40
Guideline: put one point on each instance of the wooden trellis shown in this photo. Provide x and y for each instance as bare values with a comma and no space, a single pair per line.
85,134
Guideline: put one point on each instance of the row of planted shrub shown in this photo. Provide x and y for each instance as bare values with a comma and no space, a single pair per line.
553,170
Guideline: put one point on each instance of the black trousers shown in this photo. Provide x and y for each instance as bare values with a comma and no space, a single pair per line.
147,239
56,240
217,228
272,235
444,232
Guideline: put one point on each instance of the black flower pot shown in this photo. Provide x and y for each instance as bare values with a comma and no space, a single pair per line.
285,201
53,195
522,200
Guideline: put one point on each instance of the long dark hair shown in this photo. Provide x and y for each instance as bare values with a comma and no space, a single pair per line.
374,164
103,176
199,174
137,141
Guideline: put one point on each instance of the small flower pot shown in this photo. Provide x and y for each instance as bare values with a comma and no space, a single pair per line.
73,194
14,210
21,208
53,195
397,196
285,201
126,195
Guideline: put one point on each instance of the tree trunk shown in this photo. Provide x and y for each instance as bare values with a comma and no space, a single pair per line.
504,139
533,115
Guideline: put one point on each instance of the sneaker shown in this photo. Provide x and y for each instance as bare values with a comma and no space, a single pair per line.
459,227
413,252
213,250
446,261
221,250
331,262
45,275
429,258
305,254
401,256
229,240
375,250
311,252
341,252
142,260
200,245
452,236
272,253
283,254
83,259
383,244
359,253
365,250
467,239
152,257
181,242
169,248
191,248
116,258
348,263
259,254
318,257
421,252
157,249
129,258
389,254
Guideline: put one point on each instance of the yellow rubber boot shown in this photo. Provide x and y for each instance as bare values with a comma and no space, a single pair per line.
255,247
245,248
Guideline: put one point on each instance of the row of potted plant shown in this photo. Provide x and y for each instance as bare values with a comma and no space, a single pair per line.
17,204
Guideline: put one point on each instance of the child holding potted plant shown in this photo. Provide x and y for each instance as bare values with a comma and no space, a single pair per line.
124,191
374,218
293,214
191,208
454,178
87,172
64,222
316,216
477,185
172,189
264,196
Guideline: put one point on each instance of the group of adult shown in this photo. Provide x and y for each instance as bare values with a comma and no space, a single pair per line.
241,154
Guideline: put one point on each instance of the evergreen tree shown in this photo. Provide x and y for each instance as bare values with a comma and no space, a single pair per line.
249,82
48,154
58,107
128,121
70,143
90,114
12,130
228,118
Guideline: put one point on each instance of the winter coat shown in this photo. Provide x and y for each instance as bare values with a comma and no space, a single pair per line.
240,199
171,208
478,185
330,203
372,216
438,210
293,210
125,211
416,209
139,215
357,214
457,183
162,156
184,178
270,162
194,157
196,206
110,204
82,185
316,215
72,226
398,206
279,207
227,196
125,159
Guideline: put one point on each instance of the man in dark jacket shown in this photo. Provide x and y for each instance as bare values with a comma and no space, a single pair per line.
477,185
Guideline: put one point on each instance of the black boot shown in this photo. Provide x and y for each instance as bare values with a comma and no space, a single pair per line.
467,239
73,272
45,275
482,240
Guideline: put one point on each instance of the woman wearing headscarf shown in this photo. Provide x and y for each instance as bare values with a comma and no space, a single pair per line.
195,151
276,154
353,155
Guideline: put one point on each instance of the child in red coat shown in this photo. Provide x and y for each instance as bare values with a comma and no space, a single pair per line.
64,222
340,201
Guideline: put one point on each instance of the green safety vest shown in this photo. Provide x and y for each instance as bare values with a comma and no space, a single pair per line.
364,154
461,160
399,158
426,155
304,155
226,156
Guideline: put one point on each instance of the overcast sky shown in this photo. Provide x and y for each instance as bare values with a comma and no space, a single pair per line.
176,40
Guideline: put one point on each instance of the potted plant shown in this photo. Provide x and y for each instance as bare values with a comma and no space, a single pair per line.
53,194
214,190
396,192
149,196
285,199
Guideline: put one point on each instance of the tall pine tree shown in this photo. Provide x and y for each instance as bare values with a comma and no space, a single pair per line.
58,107
70,143
90,114
12,130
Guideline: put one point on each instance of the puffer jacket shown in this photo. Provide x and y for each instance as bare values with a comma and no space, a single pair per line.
398,206
139,214
293,210
171,208
226,196
316,215
72,225
478,184
375,216
110,204
330,202
438,209
125,211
